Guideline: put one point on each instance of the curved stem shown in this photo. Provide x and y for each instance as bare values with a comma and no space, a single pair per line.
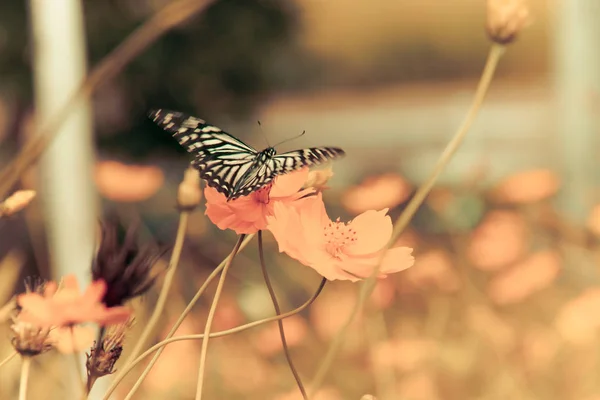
7,359
164,291
171,15
25,367
404,219
210,318
161,345
286,350
188,309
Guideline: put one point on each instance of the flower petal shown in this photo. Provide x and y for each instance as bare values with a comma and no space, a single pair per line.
288,184
373,231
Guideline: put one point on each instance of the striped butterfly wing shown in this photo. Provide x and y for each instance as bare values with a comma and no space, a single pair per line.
224,162
297,159
284,163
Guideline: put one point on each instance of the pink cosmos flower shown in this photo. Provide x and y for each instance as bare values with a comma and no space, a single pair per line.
248,214
67,306
336,250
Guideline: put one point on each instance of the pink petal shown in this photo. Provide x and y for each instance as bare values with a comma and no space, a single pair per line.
288,184
373,231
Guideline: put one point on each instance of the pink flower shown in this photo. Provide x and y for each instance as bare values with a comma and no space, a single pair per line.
68,306
336,250
248,214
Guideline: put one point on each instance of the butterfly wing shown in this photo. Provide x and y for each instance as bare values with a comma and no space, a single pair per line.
297,159
266,171
223,160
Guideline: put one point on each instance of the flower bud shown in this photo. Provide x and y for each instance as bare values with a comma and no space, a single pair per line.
189,193
505,19
16,202
318,179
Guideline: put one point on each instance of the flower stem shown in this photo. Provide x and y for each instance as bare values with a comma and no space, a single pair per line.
286,350
25,367
179,321
161,345
7,359
91,373
164,291
211,316
125,369
404,219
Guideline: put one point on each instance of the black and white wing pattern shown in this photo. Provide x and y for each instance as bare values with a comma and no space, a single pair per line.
228,164
223,161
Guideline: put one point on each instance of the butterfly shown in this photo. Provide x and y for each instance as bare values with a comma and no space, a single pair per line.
229,165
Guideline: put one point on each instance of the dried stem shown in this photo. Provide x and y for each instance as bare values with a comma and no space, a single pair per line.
25,367
7,359
404,219
210,318
171,15
149,330
286,350
179,321
161,345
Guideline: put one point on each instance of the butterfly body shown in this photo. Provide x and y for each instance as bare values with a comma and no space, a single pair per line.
228,164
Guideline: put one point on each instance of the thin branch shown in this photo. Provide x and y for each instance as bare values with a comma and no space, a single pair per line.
174,328
150,330
161,345
404,219
286,350
7,359
210,318
168,17
25,368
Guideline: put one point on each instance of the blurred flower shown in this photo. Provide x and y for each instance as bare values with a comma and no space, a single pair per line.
593,221
29,339
331,312
533,274
505,19
378,192
434,268
326,393
578,322
127,183
268,340
337,250
166,375
16,202
121,264
498,241
188,192
404,354
228,315
527,187
101,360
68,306
318,179
248,214
73,339
384,293
418,386
491,328
539,346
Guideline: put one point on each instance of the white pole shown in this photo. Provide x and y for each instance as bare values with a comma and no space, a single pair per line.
68,195
577,63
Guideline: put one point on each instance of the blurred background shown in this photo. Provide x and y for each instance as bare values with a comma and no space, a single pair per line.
503,299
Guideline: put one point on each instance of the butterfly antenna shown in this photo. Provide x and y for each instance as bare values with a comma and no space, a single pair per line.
292,138
263,132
